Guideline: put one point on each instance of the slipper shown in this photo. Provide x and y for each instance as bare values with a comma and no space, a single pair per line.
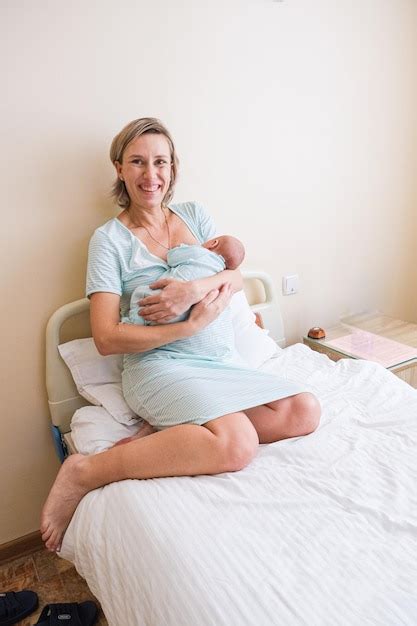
83,614
15,605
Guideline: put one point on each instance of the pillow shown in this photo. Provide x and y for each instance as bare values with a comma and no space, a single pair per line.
110,396
99,378
93,429
88,366
252,342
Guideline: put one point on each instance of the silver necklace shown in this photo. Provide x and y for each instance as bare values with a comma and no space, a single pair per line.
151,236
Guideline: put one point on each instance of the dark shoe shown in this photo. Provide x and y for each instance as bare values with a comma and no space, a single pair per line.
83,614
15,605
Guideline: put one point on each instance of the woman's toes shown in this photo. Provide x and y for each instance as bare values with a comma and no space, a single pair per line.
53,542
46,534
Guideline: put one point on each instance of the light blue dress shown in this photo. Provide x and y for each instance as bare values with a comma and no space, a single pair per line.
174,385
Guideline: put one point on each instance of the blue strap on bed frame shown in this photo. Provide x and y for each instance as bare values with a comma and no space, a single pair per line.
60,447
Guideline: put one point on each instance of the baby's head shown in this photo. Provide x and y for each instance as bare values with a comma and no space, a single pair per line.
230,248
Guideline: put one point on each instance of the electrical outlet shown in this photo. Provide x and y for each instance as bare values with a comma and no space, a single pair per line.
290,284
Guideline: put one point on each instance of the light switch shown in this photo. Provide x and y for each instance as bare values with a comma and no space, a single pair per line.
290,284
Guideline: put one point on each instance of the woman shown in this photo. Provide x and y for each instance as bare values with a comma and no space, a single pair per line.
218,413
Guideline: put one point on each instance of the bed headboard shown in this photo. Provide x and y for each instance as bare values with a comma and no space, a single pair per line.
72,321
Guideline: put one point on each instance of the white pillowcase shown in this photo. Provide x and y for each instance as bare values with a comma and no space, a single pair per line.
99,378
110,396
88,366
252,342
94,429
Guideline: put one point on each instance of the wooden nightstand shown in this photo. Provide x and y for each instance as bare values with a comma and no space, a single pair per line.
403,332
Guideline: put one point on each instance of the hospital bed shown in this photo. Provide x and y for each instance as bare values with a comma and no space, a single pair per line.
316,531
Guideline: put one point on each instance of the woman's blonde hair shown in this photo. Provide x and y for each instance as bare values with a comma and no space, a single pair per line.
119,144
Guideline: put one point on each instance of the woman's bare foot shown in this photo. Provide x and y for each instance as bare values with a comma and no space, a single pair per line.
67,491
145,430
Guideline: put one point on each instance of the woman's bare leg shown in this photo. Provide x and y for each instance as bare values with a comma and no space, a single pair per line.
289,417
224,444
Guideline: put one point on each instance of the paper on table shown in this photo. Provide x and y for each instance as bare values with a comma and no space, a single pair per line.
364,345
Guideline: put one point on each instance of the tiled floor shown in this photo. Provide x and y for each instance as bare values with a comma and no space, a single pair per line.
53,579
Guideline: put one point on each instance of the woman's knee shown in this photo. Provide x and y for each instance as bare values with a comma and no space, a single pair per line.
238,447
306,412
239,454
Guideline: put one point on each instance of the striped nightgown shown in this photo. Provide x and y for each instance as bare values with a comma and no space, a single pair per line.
168,386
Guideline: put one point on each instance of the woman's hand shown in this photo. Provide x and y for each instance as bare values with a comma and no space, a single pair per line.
210,307
175,298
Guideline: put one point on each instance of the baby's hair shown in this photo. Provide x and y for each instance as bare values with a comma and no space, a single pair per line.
233,251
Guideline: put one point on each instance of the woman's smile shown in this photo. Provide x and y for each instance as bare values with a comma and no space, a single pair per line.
149,188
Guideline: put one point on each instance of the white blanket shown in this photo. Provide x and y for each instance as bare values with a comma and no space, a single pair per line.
316,531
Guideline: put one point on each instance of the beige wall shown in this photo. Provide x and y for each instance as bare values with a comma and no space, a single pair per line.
296,126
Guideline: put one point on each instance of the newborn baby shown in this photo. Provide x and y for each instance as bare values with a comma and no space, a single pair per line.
189,262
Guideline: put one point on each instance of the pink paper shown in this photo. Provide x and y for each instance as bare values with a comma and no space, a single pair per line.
364,345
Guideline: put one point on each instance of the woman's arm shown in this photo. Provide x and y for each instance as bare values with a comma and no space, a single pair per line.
177,297
113,337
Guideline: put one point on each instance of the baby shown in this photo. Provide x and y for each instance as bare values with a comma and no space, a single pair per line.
189,262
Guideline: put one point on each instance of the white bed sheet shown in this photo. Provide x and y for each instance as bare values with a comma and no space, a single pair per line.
316,531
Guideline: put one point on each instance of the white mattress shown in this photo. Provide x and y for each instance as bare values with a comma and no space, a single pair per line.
316,531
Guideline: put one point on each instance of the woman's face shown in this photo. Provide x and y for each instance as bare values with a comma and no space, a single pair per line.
146,170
